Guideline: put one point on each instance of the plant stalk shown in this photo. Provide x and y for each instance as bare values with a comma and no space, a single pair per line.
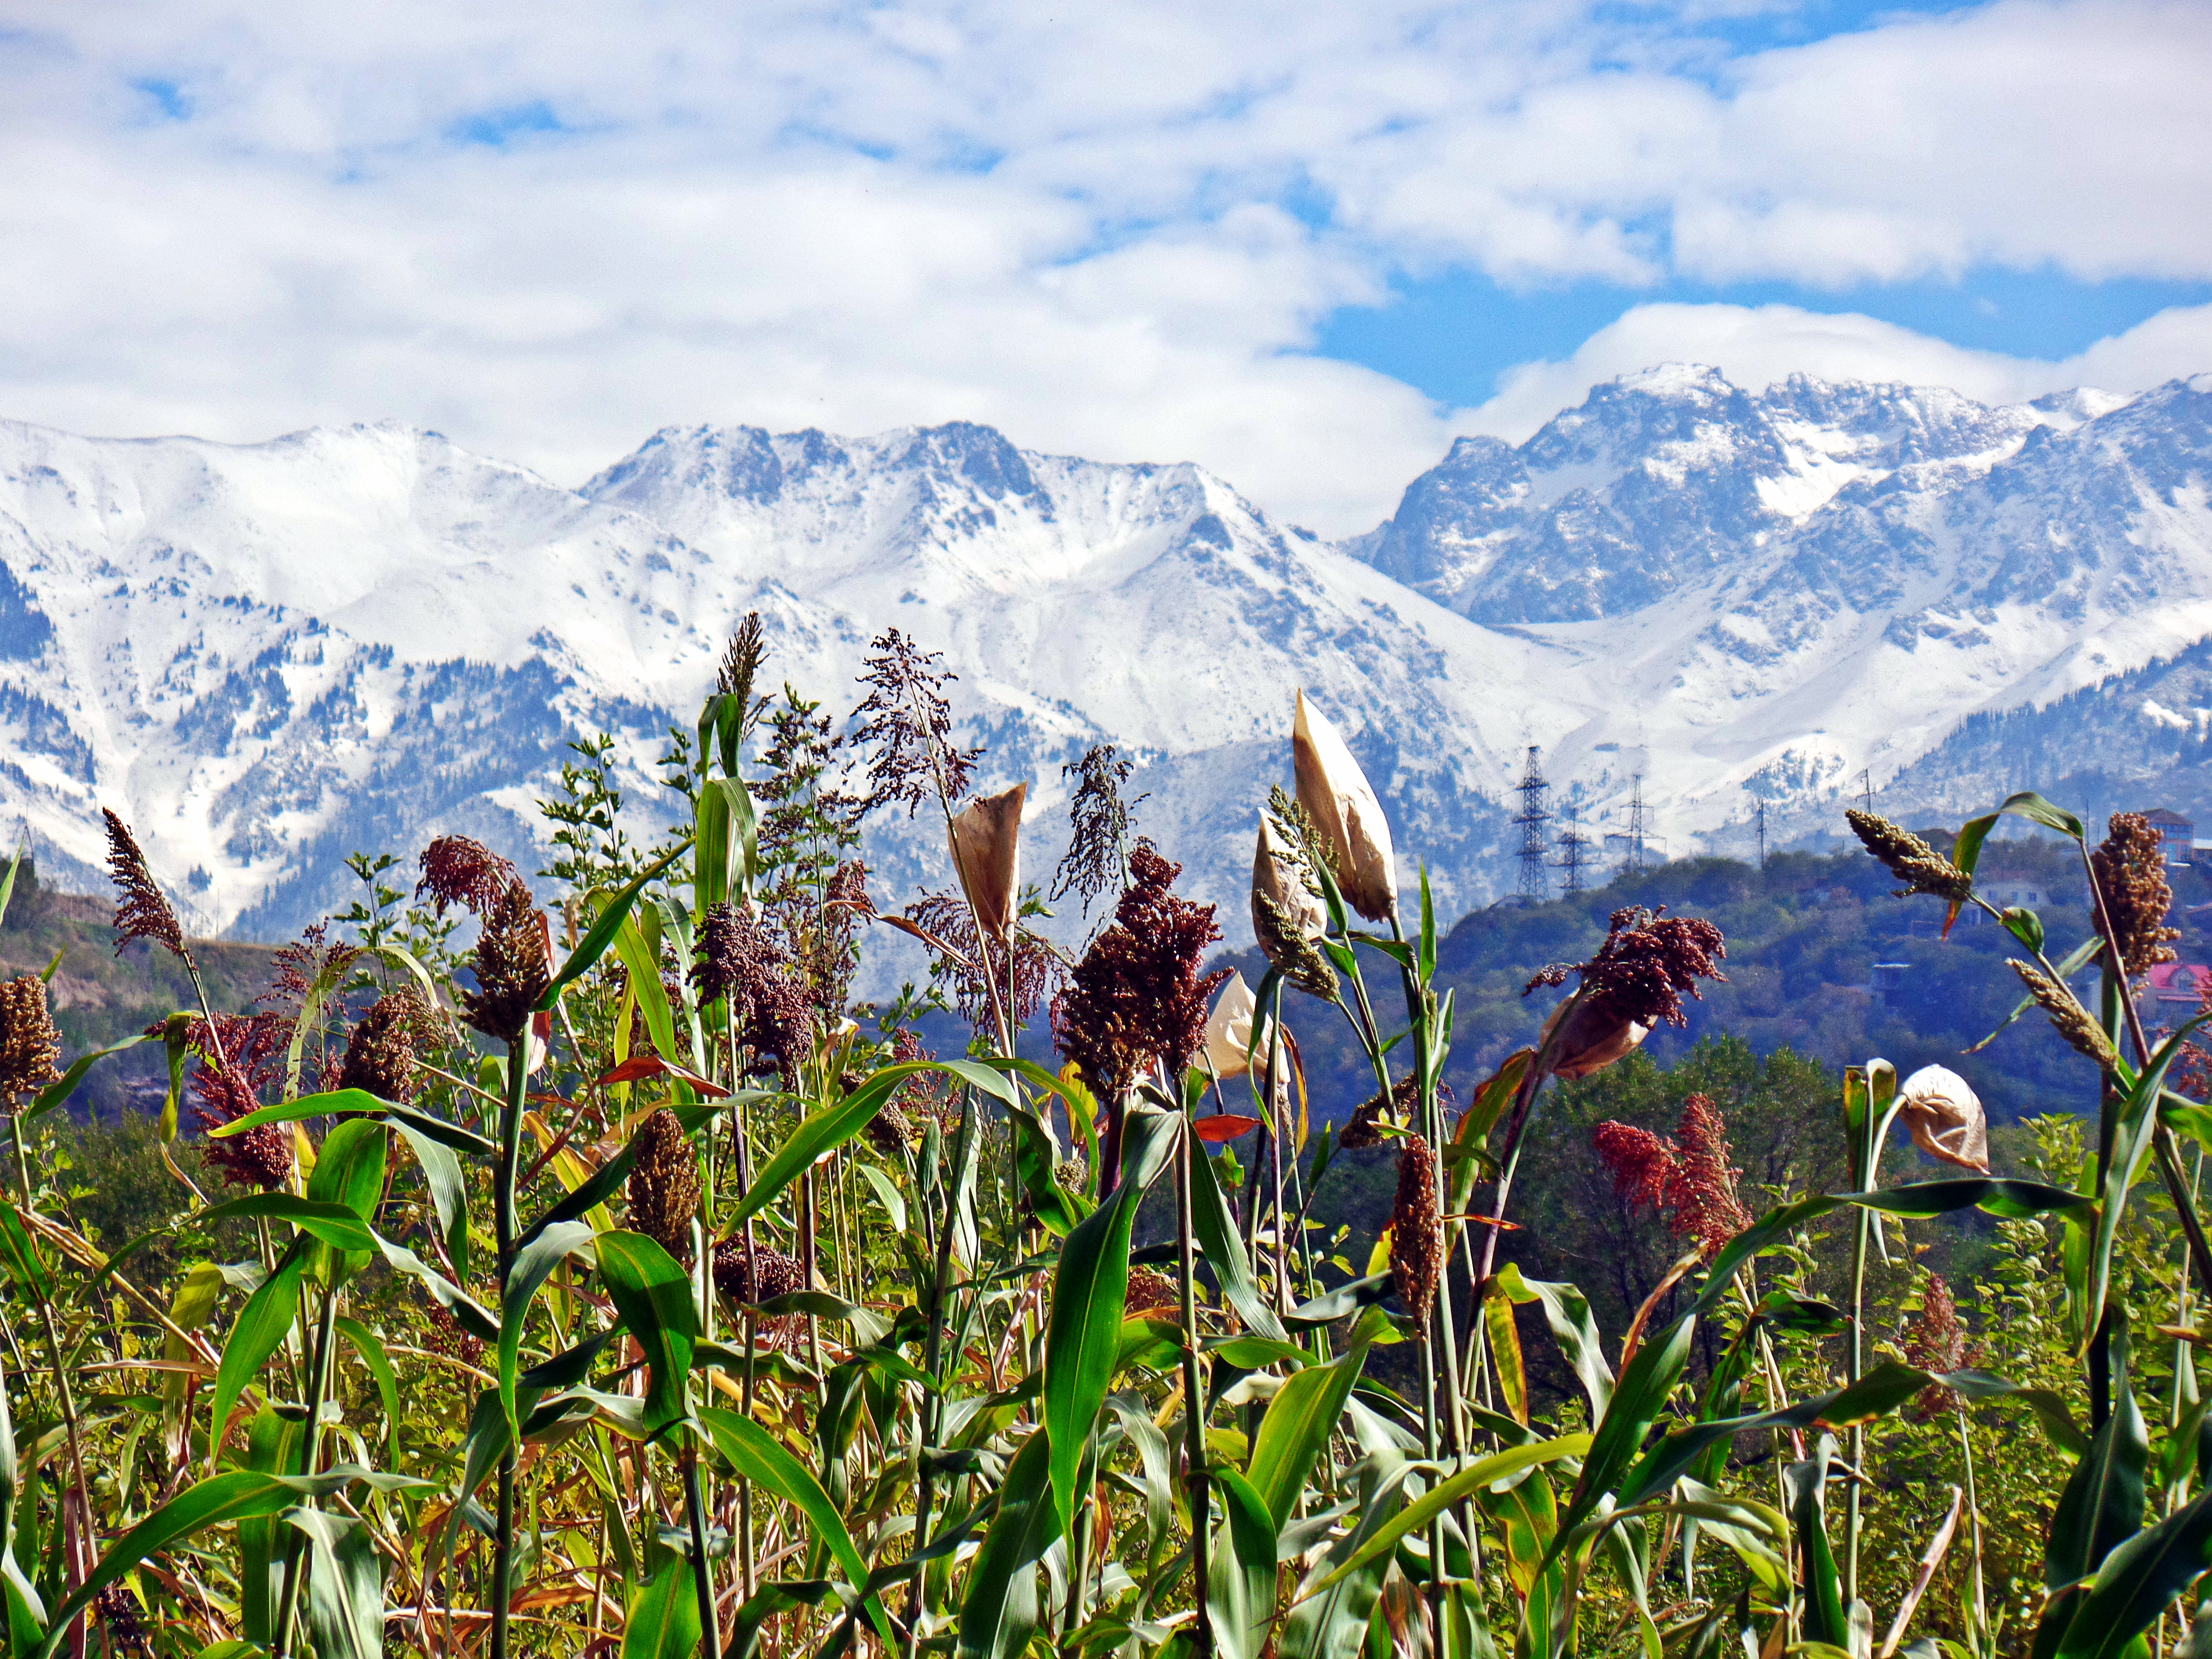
510,1148
1193,1398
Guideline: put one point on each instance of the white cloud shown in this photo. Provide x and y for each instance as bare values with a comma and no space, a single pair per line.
1074,225
1757,346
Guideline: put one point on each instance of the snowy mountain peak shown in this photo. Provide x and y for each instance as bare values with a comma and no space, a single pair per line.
274,654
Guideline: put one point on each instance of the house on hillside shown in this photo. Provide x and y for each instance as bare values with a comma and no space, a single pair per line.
2174,983
2178,833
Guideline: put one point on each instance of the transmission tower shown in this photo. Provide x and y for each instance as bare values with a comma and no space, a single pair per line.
1762,835
1570,843
1535,813
1866,787
1634,865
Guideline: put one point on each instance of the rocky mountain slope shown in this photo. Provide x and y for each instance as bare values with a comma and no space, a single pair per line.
270,655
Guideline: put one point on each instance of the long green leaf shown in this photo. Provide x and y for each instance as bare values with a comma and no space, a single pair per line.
27,1613
1820,1587
1298,1422
1090,1288
750,1449
533,1264
1331,1622
1482,1472
449,1191
261,1328
2102,1504
59,1090
826,1128
370,1348
2134,1128
652,1293
1000,1613
602,932
1223,1247
1574,1327
2139,1581
664,1615
1240,1592
335,1224
239,1495
345,1588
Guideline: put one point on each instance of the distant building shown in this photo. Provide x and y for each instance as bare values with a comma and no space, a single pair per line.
2005,894
1889,979
2177,982
2178,833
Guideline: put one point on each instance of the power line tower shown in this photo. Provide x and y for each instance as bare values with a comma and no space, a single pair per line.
1634,863
1866,787
1762,834
1535,813
1572,842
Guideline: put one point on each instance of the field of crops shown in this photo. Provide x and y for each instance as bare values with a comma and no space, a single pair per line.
596,1276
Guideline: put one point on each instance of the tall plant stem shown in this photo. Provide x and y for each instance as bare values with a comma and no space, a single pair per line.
54,1347
1193,1397
694,1510
1850,1562
1974,1516
295,1552
924,1416
510,1149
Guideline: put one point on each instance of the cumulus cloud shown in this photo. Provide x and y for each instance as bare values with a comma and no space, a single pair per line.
1755,346
1113,229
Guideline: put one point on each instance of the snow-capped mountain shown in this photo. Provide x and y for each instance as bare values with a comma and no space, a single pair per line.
270,655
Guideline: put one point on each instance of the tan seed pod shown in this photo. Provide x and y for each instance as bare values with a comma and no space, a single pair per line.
987,843
762,1276
1911,859
663,1184
1417,1229
2068,1017
30,1046
1149,1291
1336,792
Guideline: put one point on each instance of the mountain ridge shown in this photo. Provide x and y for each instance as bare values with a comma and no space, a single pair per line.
268,655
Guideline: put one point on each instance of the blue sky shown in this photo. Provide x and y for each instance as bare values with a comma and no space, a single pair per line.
1304,245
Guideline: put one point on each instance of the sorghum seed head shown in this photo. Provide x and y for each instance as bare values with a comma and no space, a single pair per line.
1149,1291
664,1183
2068,1017
1911,859
140,911
766,1275
1416,1228
2130,866
379,1055
511,967
30,1046
457,870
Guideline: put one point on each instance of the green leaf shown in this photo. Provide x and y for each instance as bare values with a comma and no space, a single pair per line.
832,1126
25,1265
530,1272
1477,1474
2139,1581
1090,1290
2030,806
379,1365
1332,1623
1223,1247
602,932
1574,1327
345,1587
1000,1613
2024,926
755,1455
664,1615
55,1093
728,843
652,1293
449,1191
349,1173
2134,1128
327,1104
1241,1580
27,1613
260,1330
1298,1422
335,1224
238,1495
1821,1589
2102,1504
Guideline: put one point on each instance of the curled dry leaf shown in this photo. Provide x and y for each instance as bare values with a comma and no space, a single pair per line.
986,853
1945,1118
1336,794
1593,1037
1229,1030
